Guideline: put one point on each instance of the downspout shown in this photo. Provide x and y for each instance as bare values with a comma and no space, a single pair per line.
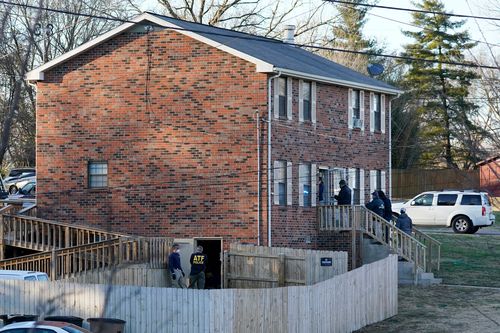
269,167
390,143
258,176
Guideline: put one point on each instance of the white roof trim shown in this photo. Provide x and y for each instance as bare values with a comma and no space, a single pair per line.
346,83
38,73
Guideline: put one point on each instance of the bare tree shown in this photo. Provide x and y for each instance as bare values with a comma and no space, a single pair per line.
31,37
265,18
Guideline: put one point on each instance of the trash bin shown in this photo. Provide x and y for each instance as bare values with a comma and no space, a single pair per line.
68,319
106,325
18,318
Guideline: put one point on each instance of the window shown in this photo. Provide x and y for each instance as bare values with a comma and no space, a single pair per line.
378,181
280,174
447,199
306,95
283,96
356,193
305,189
377,112
471,200
98,174
423,200
355,102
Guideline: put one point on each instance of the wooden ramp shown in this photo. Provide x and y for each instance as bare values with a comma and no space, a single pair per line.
68,250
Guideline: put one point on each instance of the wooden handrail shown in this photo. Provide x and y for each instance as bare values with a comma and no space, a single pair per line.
64,263
433,249
44,235
347,218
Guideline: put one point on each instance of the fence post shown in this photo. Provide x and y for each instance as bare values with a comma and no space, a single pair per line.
281,270
353,240
53,265
226,270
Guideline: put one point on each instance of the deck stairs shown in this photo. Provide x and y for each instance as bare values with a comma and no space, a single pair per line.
419,253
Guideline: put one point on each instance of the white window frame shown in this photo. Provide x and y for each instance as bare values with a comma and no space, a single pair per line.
307,176
313,101
286,168
288,97
98,170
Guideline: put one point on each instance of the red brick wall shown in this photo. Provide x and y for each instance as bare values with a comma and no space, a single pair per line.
181,163
489,174
330,143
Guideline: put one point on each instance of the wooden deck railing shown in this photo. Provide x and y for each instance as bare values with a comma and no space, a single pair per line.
359,218
44,235
433,248
65,263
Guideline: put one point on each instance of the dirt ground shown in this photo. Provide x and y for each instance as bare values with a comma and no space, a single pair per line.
443,309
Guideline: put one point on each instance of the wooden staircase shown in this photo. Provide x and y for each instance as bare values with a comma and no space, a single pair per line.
68,249
419,249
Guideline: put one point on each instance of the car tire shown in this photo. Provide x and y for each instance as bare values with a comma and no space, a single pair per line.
461,224
13,189
473,230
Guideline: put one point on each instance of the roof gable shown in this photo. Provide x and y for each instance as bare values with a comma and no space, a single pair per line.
268,55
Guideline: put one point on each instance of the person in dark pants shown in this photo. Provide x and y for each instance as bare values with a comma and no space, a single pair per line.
387,211
344,196
198,262
174,265
376,206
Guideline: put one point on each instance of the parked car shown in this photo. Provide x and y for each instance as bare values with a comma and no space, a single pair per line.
7,274
27,191
464,211
17,178
43,327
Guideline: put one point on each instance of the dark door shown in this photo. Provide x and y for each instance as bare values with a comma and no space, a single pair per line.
212,248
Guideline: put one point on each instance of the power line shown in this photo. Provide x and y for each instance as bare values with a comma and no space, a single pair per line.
415,10
261,39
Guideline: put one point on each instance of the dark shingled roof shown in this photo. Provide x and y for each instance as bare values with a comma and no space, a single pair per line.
279,53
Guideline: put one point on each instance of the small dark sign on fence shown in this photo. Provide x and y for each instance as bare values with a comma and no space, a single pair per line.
326,261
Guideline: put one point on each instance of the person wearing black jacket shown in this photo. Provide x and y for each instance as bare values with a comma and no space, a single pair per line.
174,265
344,196
198,262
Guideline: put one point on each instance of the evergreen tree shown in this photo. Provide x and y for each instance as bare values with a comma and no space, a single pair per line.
447,133
347,34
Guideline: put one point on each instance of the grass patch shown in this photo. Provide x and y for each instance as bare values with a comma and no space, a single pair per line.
470,259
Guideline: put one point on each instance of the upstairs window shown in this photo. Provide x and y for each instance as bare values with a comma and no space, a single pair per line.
377,113
355,102
98,174
283,97
306,95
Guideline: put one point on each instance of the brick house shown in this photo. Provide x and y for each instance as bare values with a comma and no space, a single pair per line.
160,127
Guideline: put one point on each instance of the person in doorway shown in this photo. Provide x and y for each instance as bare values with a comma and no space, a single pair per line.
321,189
198,262
344,196
404,222
174,265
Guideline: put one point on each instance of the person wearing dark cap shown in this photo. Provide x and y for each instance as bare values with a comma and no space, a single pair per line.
404,222
198,262
376,205
344,196
174,265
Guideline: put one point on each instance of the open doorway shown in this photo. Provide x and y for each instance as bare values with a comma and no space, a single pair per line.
213,249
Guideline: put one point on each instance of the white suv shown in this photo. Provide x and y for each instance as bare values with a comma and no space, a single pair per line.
464,211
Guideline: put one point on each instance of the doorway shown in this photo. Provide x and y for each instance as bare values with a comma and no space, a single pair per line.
213,273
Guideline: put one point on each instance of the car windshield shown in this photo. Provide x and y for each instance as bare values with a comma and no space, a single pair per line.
42,277
27,188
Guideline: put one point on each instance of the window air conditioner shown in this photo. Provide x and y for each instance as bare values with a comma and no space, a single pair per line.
357,123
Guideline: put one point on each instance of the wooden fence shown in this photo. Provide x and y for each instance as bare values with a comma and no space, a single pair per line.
407,183
248,266
344,303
